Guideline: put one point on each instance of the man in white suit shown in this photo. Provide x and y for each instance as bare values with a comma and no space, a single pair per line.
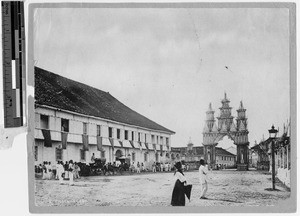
203,179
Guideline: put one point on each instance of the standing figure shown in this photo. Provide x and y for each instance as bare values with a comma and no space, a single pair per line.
76,171
44,170
56,168
154,167
60,170
161,167
166,167
132,167
66,176
71,172
203,179
138,168
49,170
93,158
178,196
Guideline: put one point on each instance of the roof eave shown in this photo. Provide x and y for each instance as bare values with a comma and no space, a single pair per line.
108,120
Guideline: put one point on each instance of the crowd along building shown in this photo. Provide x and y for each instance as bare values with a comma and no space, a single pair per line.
76,121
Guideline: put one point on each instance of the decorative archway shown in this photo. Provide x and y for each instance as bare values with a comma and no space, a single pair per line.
213,133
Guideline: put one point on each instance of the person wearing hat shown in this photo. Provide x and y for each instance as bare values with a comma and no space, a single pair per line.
203,179
178,196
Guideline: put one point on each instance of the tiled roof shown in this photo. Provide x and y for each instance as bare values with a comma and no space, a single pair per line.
220,151
63,93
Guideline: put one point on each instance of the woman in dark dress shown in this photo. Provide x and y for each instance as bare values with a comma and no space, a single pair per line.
178,196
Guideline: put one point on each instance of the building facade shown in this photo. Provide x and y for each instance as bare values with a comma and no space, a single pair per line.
192,155
74,121
282,155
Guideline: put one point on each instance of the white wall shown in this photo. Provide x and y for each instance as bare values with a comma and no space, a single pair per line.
75,138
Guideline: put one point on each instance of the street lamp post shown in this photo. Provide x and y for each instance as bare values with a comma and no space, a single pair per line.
272,134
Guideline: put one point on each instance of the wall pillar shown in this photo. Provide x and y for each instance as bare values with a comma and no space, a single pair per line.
242,157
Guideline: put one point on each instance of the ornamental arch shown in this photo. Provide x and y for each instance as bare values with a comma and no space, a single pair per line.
214,131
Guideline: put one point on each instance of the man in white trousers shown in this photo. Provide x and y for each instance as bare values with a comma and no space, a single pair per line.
60,170
71,173
203,179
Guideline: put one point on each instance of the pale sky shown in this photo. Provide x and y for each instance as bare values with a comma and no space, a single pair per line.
169,64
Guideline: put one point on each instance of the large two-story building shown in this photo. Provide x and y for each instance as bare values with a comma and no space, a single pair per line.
75,121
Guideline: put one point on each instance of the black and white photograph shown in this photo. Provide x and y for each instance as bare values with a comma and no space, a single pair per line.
156,106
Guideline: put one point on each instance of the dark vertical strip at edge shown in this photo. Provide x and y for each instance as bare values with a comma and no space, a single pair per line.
12,14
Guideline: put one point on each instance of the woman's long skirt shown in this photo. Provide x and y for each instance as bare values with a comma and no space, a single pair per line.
178,197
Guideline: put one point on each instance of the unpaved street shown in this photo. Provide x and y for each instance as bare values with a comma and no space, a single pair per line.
226,188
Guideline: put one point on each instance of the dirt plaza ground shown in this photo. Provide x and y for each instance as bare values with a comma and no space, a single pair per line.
226,188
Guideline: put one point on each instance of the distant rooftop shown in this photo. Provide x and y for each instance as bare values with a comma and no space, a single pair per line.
56,91
199,150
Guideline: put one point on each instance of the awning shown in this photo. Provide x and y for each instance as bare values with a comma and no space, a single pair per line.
144,145
132,144
111,140
140,145
150,146
105,142
117,143
126,144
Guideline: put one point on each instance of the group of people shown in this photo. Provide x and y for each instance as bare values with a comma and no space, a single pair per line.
138,168
178,194
60,171
156,167
161,167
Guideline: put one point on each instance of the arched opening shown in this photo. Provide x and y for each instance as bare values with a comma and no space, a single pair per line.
223,159
120,157
227,144
119,153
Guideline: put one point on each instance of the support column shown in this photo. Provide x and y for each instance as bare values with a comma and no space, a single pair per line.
242,157
287,157
213,156
210,154
205,153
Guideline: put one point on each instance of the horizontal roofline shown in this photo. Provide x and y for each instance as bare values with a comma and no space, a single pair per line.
99,118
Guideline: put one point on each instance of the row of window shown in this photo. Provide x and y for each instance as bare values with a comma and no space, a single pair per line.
44,119
227,158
